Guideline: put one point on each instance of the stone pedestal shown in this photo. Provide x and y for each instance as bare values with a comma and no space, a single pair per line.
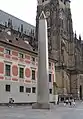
41,106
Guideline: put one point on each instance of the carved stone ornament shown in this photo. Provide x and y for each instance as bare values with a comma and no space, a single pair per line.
47,13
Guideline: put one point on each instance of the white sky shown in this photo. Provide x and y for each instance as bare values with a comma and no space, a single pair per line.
26,10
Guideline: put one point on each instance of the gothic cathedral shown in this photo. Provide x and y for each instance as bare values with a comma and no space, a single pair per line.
64,46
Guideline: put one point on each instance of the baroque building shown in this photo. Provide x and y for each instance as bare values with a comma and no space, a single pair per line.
19,69
63,46
18,54
19,62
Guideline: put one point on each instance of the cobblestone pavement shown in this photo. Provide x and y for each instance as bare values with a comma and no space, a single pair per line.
58,112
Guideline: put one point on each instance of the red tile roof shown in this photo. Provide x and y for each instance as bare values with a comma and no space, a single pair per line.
12,40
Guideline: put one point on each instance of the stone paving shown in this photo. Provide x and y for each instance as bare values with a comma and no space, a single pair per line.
58,112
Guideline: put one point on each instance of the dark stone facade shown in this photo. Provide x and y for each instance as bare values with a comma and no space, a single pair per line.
63,45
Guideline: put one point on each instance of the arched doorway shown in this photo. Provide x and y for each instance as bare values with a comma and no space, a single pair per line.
80,92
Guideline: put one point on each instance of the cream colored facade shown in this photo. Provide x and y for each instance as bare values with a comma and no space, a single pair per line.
29,63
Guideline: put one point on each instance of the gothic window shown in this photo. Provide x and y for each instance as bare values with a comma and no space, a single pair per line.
60,14
68,25
64,23
54,32
61,23
48,22
54,13
62,53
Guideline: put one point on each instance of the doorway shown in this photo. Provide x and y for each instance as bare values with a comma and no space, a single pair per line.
80,92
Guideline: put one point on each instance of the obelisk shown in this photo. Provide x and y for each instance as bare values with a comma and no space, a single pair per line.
43,72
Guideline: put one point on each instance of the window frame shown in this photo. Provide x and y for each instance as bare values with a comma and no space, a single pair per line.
21,72
6,70
21,54
7,51
21,90
33,59
32,75
50,91
28,91
7,89
33,91
50,80
49,64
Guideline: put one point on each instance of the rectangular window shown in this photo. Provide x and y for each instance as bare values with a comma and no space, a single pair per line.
21,72
21,89
33,59
28,90
7,88
7,70
50,91
49,64
33,89
50,78
7,51
21,55
33,74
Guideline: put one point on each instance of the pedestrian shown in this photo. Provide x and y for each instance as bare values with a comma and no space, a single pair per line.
58,101
67,101
64,103
70,101
9,104
73,102
11,101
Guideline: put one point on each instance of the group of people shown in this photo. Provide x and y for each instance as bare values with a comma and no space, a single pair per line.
69,101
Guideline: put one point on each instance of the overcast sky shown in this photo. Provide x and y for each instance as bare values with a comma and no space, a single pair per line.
26,10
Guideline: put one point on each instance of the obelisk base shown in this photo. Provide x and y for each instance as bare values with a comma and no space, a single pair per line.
41,106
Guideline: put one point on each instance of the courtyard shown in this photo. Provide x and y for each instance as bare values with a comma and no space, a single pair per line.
57,112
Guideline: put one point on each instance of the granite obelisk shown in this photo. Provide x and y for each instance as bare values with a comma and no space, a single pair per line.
43,72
